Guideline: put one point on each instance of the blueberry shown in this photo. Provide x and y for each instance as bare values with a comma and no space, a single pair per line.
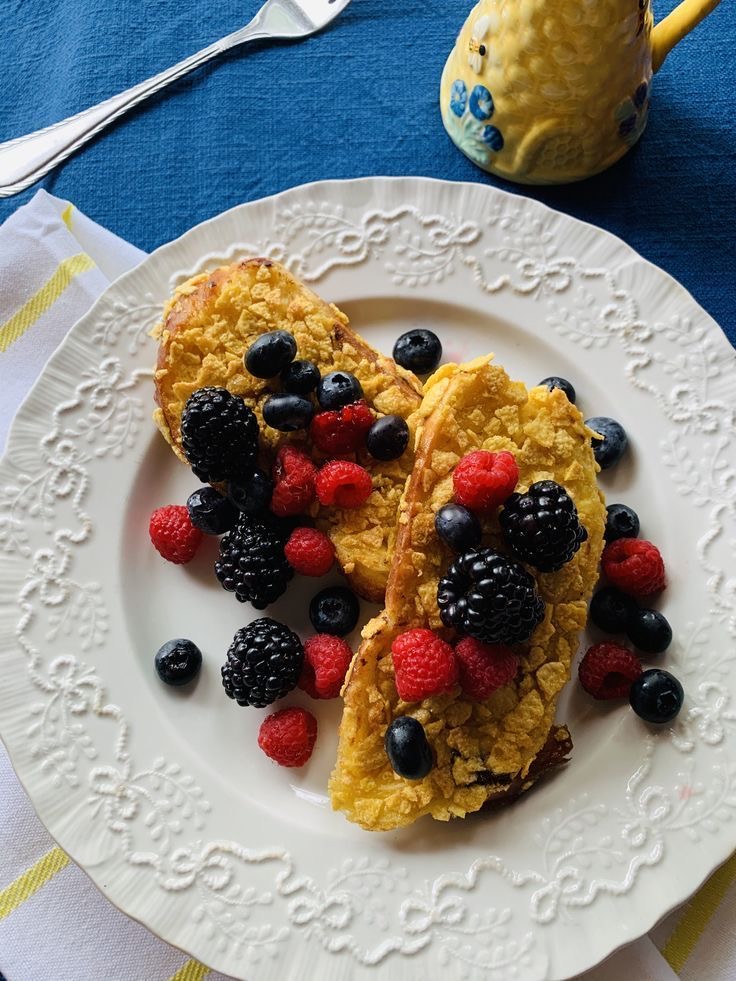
253,494
337,389
270,353
457,527
210,511
388,438
408,749
621,522
612,447
300,377
287,412
554,381
612,610
656,696
418,350
649,631
178,662
334,610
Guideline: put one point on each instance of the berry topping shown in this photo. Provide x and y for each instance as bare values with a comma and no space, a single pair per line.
418,350
270,353
293,474
482,481
263,663
634,565
211,512
343,484
252,494
408,749
607,671
219,435
611,610
309,552
424,665
338,388
173,534
178,662
457,527
621,522
484,668
326,662
541,527
334,610
608,450
287,412
656,696
300,377
341,431
387,438
554,381
490,597
649,631
288,736
252,563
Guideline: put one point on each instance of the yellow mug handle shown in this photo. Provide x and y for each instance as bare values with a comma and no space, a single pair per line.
676,25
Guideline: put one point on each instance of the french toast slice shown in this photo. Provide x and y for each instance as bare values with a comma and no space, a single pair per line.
207,326
484,751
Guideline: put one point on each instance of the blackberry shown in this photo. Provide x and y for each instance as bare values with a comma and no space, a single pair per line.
541,527
263,663
219,435
252,563
490,597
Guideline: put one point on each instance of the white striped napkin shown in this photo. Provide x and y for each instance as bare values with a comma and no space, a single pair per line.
54,924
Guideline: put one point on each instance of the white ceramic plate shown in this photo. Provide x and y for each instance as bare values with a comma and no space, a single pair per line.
163,797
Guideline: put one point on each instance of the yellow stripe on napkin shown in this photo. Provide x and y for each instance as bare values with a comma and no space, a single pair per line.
694,920
39,303
31,881
191,971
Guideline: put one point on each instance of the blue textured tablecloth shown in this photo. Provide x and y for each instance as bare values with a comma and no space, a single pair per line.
358,99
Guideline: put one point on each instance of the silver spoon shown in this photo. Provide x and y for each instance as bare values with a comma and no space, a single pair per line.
27,158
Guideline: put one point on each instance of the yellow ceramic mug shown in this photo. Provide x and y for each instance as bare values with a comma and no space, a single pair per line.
551,91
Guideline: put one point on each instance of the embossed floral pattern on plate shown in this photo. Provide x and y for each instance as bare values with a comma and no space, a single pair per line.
500,897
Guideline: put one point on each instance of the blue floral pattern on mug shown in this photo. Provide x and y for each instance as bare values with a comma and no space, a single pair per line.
466,121
481,103
631,114
458,97
493,138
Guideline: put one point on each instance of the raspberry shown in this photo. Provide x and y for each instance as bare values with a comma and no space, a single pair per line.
484,480
483,667
173,533
343,430
343,484
288,736
634,566
424,665
309,552
608,670
293,475
326,661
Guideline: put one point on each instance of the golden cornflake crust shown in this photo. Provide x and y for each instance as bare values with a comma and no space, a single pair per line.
490,750
207,326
